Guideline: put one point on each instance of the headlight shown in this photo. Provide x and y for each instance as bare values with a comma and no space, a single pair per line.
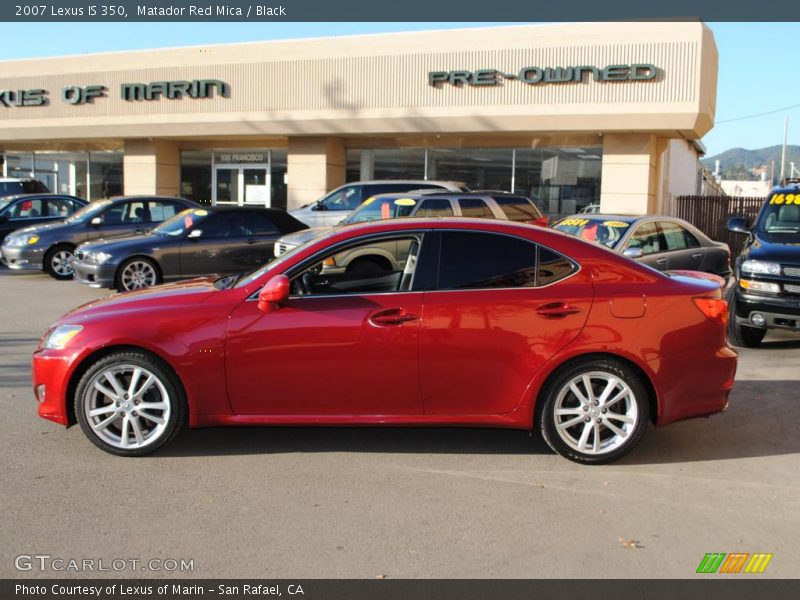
15,242
61,336
97,258
759,267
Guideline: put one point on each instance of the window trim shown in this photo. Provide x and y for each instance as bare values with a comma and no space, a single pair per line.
577,265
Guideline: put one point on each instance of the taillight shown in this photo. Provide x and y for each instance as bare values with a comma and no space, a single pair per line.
715,309
541,222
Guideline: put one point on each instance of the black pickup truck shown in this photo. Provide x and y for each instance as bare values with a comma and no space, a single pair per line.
766,290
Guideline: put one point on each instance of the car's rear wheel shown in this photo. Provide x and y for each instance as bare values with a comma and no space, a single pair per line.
130,404
594,411
742,335
137,273
58,261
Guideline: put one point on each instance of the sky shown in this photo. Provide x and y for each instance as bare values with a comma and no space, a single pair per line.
758,62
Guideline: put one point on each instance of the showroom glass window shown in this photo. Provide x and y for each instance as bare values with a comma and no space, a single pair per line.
477,260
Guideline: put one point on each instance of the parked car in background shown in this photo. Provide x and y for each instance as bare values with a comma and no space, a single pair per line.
766,294
51,246
664,243
24,210
424,203
523,328
335,206
198,241
12,186
590,209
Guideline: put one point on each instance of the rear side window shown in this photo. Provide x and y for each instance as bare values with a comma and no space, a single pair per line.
260,224
161,211
61,207
476,260
518,209
435,207
475,208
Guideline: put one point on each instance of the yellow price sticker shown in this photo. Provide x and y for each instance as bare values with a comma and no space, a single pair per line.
575,221
368,201
201,213
405,202
615,223
785,199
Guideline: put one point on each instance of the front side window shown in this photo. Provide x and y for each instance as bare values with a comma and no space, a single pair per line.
374,266
606,232
124,212
648,237
227,225
677,237
476,260
347,198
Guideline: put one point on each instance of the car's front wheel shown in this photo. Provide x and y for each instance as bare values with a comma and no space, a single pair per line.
594,411
130,404
137,273
58,261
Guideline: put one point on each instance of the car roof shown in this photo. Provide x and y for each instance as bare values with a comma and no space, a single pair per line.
15,197
149,197
13,179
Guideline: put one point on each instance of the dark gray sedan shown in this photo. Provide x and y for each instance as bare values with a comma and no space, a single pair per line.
51,246
200,241
664,243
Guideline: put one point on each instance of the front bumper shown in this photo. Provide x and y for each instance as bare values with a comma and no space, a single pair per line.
97,276
780,312
22,257
51,372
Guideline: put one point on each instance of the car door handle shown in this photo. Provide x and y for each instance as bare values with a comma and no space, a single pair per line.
661,261
391,316
697,255
557,310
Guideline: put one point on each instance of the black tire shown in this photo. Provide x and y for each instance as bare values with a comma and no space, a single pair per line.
118,278
53,259
738,334
558,383
175,420
368,266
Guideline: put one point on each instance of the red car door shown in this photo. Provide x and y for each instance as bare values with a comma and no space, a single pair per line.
495,320
328,352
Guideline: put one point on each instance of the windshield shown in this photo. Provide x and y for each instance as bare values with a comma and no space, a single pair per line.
250,277
381,207
781,214
4,202
606,232
182,222
89,211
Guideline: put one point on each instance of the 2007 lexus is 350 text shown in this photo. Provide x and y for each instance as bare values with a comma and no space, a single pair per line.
480,323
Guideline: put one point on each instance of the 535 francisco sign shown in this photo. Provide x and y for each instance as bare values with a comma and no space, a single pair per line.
540,75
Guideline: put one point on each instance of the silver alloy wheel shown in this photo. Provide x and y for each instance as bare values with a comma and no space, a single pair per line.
61,262
127,406
138,274
595,412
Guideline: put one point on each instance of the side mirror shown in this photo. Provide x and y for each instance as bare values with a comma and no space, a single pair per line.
738,225
318,206
633,253
96,222
273,293
195,234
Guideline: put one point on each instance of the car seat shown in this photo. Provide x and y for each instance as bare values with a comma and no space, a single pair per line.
789,215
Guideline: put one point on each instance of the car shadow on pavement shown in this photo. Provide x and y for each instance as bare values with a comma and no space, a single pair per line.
760,422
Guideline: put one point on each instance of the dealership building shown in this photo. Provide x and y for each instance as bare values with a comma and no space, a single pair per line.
574,114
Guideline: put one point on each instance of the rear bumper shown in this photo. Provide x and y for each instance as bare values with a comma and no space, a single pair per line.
98,276
22,258
694,384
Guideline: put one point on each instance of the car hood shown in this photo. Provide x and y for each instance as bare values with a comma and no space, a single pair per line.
40,229
128,243
183,293
303,236
775,247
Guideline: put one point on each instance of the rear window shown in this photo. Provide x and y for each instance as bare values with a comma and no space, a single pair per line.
518,209
606,232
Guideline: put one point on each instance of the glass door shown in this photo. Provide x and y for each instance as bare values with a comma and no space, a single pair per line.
226,186
241,184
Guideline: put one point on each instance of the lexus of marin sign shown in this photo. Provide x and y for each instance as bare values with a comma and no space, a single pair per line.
539,75
156,90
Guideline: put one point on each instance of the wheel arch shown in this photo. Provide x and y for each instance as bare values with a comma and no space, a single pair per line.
100,353
647,382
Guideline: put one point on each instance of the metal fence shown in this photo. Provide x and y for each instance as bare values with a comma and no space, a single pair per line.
710,215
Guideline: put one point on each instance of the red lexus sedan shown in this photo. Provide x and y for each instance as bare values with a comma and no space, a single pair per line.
482,323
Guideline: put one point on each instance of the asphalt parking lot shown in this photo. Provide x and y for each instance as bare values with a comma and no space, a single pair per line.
397,503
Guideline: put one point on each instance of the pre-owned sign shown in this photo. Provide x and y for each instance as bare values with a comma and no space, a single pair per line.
540,75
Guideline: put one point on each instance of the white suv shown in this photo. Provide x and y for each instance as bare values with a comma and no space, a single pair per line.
331,209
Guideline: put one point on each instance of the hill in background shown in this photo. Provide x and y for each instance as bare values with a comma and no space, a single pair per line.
739,163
